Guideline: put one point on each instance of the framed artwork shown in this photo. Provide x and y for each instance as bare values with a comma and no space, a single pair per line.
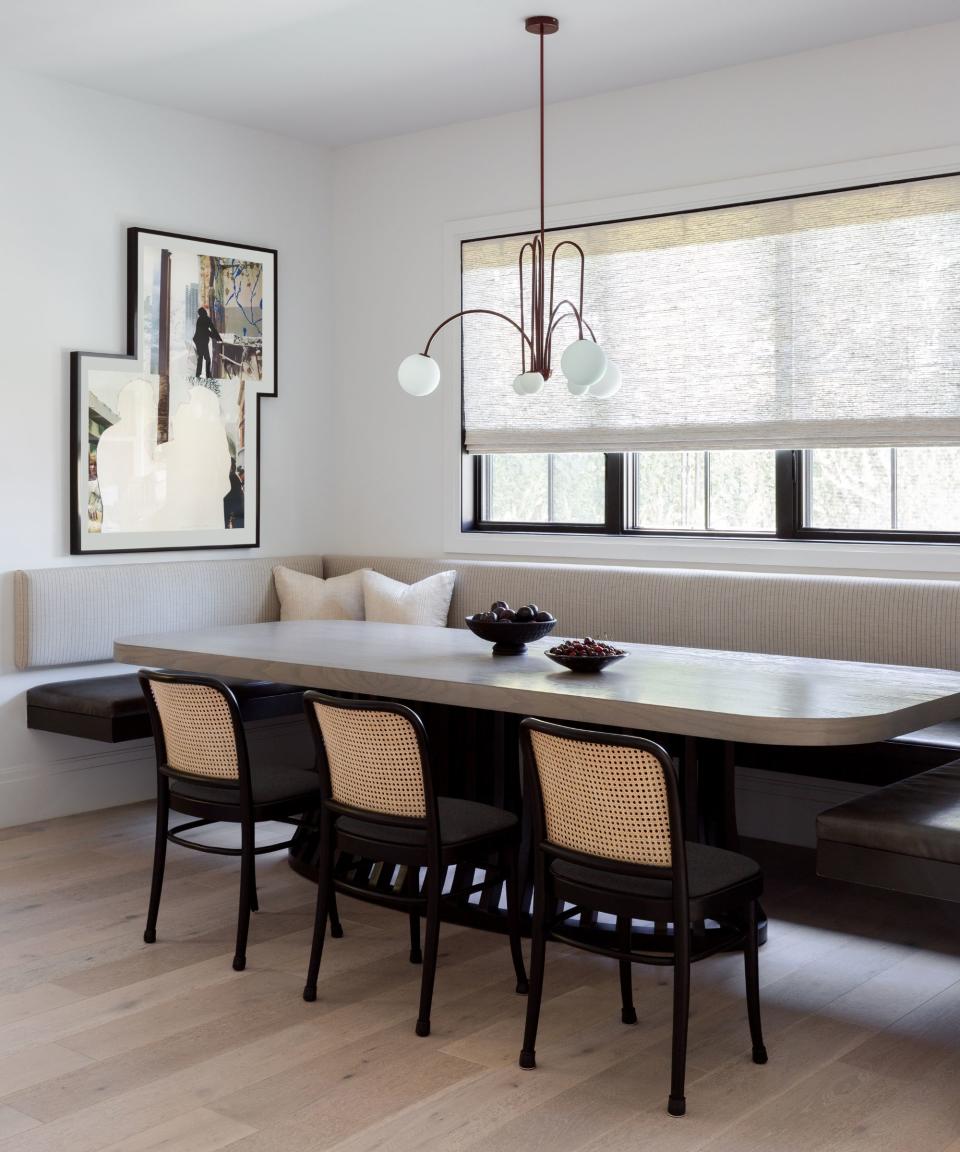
165,440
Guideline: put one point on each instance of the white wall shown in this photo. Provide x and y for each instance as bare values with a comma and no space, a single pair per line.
76,169
758,129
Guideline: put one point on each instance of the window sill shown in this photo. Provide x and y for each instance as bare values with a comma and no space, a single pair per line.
870,558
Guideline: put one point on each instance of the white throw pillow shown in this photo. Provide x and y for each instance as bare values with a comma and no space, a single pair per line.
304,597
392,602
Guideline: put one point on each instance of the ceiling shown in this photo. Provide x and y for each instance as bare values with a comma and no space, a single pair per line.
340,71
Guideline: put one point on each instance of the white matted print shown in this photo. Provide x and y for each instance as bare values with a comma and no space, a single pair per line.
166,438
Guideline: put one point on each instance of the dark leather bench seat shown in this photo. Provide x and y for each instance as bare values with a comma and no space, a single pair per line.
112,708
874,764
905,837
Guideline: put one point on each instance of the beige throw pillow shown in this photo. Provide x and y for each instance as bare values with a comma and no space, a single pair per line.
392,602
304,597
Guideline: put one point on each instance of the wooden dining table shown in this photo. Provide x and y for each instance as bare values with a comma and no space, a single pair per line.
700,701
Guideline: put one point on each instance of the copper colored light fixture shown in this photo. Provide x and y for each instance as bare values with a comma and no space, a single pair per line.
584,363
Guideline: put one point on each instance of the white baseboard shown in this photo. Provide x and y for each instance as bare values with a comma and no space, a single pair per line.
782,806
116,774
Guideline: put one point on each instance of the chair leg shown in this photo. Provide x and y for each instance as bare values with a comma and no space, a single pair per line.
752,972
254,902
159,858
628,1014
431,947
247,885
325,899
660,928
538,956
677,1103
513,916
336,928
416,953
411,886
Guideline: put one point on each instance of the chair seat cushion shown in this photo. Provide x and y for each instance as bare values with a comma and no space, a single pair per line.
272,784
460,822
709,871
919,816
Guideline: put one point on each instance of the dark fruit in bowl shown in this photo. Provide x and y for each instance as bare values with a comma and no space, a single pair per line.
586,655
543,617
497,605
585,647
507,630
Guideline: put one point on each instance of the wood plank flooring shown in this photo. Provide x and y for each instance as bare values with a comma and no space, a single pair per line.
107,1044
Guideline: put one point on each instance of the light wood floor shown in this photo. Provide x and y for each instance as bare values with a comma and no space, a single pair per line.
107,1043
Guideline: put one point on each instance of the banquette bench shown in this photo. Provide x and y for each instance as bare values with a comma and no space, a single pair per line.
69,616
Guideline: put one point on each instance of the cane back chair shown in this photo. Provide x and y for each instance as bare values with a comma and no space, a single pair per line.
608,838
378,802
204,771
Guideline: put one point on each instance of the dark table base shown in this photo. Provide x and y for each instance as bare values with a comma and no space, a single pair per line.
475,756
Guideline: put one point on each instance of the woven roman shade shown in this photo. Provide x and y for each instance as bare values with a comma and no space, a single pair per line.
818,321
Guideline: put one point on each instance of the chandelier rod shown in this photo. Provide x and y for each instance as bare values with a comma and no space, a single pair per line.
584,363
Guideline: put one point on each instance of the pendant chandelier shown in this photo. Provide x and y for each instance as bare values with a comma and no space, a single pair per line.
583,363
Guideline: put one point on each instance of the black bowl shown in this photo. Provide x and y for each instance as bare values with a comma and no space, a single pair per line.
585,663
508,637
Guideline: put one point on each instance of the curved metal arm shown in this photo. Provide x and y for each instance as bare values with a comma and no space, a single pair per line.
523,319
553,268
470,312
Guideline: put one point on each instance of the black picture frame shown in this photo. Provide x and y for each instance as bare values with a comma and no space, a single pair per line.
83,541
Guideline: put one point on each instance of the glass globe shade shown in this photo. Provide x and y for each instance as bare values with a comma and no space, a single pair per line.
583,363
608,384
418,374
528,383
577,389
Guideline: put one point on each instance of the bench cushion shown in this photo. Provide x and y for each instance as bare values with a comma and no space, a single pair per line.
112,708
905,837
946,736
919,816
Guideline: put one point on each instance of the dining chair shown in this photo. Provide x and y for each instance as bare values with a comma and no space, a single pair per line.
378,802
608,838
204,771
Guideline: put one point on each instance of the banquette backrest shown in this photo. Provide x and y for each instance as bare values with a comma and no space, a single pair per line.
72,615
884,621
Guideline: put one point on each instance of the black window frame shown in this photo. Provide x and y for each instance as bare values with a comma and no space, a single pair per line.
790,497
789,468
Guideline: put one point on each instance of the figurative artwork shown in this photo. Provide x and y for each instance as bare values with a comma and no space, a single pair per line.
166,438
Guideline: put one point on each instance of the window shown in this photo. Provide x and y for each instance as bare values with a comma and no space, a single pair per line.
791,370
863,493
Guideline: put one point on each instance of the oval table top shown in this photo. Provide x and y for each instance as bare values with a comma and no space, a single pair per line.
742,696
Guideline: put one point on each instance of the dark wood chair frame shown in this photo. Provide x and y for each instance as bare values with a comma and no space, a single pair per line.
246,813
551,919
434,855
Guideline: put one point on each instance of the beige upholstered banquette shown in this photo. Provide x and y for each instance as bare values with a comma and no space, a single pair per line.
72,615
914,622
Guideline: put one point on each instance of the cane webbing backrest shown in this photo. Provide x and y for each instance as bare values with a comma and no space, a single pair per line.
374,760
603,799
197,729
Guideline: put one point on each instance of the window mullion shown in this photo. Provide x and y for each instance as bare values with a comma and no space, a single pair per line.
788,473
